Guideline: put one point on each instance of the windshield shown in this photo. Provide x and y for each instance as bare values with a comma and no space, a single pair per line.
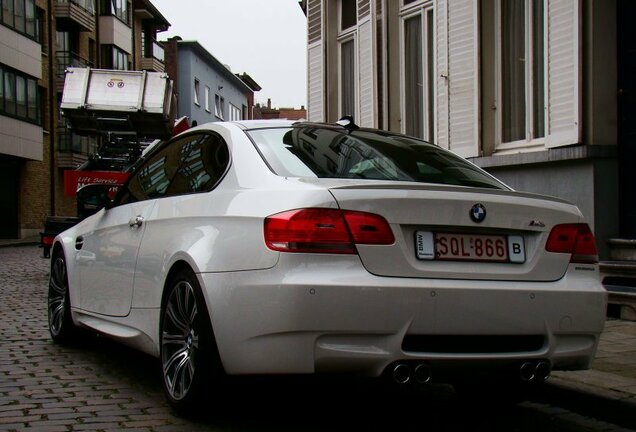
324,152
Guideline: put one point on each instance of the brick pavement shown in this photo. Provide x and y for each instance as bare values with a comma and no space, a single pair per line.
47,387
103,386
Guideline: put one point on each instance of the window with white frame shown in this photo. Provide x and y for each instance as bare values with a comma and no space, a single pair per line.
235,113
347,35
219,106
522,60
207,98
195,96
418,63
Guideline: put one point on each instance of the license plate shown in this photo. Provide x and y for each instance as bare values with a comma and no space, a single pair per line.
469,247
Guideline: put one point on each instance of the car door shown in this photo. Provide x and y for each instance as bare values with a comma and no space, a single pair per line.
108,251
107,255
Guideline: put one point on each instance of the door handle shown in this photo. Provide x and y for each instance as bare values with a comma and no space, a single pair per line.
136,222
79,243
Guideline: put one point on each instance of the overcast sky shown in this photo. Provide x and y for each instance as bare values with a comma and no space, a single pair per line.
265,38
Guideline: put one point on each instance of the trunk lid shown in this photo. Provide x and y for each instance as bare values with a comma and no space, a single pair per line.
436,237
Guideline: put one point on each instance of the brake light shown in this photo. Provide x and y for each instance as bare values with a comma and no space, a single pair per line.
320,230
575,239
47,240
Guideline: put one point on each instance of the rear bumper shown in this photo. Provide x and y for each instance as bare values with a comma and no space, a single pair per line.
331,315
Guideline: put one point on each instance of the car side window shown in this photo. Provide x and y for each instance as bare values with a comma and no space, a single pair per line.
202,164
194,163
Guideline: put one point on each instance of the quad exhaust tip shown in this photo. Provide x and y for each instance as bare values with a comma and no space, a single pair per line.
535,371
402,373
529,371
422,373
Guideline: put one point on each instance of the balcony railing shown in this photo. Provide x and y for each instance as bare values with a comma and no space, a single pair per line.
66,59
157,51
73,150
153,57
73,143
87,5
75,15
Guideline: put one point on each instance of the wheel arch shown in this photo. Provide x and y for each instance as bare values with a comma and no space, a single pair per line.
61,246
177,267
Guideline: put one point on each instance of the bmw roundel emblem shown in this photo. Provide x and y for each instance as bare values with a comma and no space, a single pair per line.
478,213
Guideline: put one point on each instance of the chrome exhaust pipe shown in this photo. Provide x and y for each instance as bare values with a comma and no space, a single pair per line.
527,371
401,373
422,373
542,371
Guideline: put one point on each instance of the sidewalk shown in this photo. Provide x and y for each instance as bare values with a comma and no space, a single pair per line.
28,241
609,387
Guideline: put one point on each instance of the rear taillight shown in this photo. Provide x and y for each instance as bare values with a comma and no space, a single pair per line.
47,240
575,239
321,230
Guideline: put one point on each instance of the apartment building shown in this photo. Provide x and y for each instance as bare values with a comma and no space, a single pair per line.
208,90
538,92
24,142
39,39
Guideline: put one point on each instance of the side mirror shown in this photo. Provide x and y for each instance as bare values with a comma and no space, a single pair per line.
94,197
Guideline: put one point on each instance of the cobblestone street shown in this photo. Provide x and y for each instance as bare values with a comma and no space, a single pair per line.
102,386
98,386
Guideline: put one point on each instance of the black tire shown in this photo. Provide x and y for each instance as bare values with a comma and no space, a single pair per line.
190,365
61,326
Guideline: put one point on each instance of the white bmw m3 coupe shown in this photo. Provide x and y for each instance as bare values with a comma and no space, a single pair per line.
275,247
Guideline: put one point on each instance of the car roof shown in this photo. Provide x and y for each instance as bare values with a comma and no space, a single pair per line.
264,124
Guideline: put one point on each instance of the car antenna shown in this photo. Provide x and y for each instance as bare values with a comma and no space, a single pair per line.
348,123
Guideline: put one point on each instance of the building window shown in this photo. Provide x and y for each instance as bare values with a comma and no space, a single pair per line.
235,113
522,70
8,13
40,30
418,72
19,95
347,78
20,16
347,39
118,8
114,58
348,14
91,51
196,92
207,98
219,106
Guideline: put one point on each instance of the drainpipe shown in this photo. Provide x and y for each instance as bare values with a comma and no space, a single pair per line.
52,109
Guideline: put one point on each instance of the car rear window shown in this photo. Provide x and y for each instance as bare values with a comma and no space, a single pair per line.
324,152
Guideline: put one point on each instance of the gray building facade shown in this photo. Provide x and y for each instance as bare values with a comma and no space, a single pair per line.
207,90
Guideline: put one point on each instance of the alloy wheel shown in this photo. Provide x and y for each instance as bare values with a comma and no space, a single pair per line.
57,296
180,340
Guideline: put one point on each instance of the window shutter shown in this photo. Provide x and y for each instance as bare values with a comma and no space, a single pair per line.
458,84
367,100
564,73
441,99
315,63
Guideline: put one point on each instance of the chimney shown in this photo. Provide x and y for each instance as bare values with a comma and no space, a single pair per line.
269,103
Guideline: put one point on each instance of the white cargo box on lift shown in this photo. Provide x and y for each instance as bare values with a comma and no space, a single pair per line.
101,101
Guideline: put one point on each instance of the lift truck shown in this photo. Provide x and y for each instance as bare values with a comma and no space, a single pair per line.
130,111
